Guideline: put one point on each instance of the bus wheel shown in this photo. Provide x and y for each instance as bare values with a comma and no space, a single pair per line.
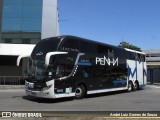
80,92
135,86
130,86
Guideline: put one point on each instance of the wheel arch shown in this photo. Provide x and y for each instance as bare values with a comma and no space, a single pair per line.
84,84
130,82
136,81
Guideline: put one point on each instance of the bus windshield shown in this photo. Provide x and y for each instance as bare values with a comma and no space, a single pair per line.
37,69
45,46
36,64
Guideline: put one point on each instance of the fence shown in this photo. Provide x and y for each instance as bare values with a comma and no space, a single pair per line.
12,80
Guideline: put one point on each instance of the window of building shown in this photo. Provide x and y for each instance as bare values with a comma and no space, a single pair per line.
20,18
7,40
26,41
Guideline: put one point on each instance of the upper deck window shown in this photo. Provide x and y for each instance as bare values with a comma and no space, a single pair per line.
139,57
45,46
103,49
88,47
70,45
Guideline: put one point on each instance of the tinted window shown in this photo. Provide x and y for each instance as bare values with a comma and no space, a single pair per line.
19,17
132,55
8,40
103,49
21,13
70,45
88,47
45,46
26,41
139,57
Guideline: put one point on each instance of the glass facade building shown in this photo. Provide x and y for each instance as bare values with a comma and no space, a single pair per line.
23,23
1,18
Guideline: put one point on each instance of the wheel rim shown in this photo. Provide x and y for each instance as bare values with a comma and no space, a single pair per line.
78,91
135,86
130,87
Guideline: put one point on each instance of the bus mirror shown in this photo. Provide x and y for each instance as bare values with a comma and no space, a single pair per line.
20,57
48,56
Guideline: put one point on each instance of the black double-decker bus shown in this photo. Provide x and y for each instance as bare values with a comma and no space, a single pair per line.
66,66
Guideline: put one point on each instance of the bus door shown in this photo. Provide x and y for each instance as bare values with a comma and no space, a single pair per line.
61,68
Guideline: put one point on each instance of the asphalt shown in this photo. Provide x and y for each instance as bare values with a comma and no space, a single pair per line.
3,87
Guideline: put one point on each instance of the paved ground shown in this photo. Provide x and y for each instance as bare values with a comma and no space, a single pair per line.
143,100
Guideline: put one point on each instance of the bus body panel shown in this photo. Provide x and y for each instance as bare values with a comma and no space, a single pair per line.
44,93
97,66
137,71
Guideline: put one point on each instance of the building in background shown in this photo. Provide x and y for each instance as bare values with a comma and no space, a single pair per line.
22,24
153,65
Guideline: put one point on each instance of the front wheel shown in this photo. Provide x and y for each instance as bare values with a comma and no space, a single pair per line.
80,92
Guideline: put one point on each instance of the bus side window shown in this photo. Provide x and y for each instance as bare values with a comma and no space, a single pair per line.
136,56
88,47
63,70
103,49
70,45
132,56
59,71
143,58
139,57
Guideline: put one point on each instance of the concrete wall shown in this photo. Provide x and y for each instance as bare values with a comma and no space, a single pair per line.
50,24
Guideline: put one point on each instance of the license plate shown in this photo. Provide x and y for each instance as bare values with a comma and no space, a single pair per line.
33,93
31,85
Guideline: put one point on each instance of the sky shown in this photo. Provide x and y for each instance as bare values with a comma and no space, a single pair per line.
112,21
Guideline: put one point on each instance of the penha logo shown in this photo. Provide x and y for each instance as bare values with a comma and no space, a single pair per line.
108,61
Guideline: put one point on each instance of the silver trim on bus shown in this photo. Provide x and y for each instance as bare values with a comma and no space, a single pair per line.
74,68
20,57
48,55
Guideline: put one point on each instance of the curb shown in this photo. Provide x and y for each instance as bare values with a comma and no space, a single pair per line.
157,84
12,87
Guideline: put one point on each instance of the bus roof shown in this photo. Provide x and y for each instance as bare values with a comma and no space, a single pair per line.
134,51
86,40
62,38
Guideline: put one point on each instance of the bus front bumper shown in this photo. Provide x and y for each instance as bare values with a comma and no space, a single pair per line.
47,92
41,94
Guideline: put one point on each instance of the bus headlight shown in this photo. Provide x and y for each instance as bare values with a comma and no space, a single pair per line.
46,88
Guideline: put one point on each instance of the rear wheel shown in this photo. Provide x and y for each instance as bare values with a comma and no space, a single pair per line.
130,86
135,86
80,92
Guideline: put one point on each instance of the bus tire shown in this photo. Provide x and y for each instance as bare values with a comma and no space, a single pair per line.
130,86
80,91
135,87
